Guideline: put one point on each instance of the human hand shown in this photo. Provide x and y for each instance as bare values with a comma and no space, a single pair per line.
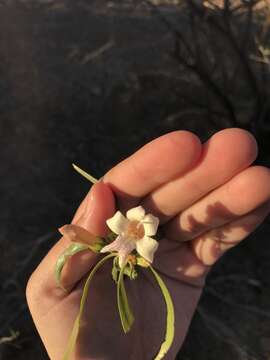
208,198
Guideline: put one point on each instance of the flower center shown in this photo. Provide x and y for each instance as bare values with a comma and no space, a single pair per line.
134,230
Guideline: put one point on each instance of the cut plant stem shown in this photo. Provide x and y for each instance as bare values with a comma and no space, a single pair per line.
85,174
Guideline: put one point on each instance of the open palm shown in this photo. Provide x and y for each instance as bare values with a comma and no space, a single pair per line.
208,198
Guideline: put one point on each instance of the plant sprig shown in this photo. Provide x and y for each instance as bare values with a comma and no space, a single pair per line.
118,275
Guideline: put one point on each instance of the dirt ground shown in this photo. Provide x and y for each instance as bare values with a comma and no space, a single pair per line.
90,82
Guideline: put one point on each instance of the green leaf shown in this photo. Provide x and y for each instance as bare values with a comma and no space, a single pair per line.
131,272
97,246
110,237
169,335
73,249
115,270
76,326
126,315
85,174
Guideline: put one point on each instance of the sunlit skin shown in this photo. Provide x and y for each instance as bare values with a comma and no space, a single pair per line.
208,197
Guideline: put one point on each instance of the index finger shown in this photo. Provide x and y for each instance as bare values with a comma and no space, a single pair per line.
154,164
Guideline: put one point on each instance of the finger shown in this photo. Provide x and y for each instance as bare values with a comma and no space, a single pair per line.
154,164
210,246
98,207
223,156
242,194
191,261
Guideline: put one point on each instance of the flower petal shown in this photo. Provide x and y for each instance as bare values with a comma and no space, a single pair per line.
150,223
125,250
78,234
146,247
114,246
136,213
117,223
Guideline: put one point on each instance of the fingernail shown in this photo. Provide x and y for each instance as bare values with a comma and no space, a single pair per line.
90,202
89,209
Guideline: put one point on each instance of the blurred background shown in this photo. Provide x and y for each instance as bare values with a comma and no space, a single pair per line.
90,81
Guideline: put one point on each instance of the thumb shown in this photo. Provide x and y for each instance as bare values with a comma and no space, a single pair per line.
96,208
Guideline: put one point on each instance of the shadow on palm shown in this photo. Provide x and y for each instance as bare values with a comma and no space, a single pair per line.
101,334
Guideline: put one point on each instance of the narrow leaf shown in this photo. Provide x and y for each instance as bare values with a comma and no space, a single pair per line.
169,335
115,270
73,249
76,327
125,304
125,312
85,174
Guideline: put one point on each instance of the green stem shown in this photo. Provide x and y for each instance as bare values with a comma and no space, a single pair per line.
76,326
73,249
169,335
85,174
126,315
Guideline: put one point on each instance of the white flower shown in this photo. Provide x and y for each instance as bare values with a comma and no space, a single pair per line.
133,232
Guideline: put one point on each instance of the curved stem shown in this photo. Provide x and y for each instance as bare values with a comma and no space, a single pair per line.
169,335
76,326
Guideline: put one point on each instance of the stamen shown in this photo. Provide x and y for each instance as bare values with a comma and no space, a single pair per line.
134,231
